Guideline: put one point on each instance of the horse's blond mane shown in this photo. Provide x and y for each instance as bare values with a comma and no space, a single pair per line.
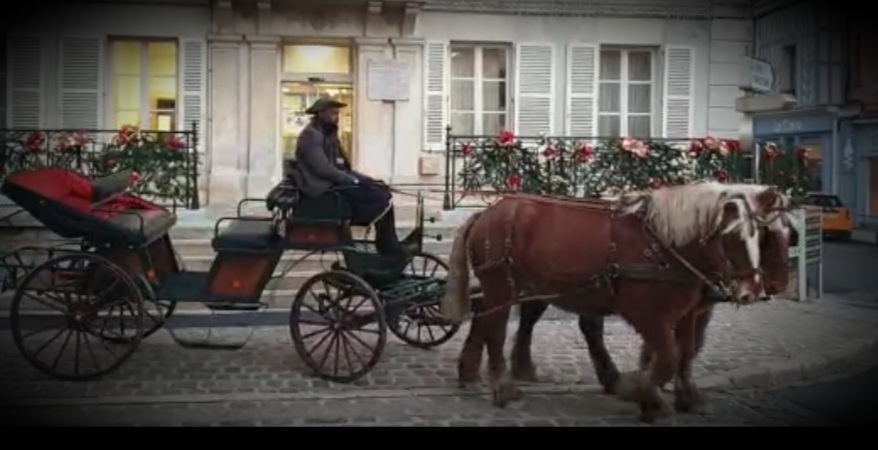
680,214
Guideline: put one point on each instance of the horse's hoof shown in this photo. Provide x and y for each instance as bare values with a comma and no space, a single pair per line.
690,403
628,387
504,393
653,412
526,374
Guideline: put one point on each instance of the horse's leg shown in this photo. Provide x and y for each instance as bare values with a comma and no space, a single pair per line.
592,328
492,327
690,338
470,359
659,336
523,368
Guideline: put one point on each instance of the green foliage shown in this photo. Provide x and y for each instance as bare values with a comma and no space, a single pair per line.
589,167
166,163
786,168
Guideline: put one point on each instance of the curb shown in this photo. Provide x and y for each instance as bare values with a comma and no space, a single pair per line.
791,372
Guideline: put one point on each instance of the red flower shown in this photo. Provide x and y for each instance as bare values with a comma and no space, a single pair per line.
656,184
176,143
135,178
696,147
550,152
584,153
128,134
723,176
468,149
506,138
514,182
732,145
35,141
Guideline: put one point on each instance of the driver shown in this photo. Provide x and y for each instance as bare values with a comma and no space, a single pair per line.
322,165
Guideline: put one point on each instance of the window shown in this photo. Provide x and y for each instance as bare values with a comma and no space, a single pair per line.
856,64
3,80
626,95
873,186
145,84
790,68
317,59
479,90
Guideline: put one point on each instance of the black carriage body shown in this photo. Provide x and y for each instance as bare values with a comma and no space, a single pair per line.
132,235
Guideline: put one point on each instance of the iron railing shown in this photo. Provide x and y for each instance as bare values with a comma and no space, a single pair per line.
563,173
167,162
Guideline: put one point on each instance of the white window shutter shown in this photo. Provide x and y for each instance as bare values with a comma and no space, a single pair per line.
80,79
581,110
436,61
535,85
193,61
26,73
679,77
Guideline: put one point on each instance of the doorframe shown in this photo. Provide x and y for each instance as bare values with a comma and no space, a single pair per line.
292,77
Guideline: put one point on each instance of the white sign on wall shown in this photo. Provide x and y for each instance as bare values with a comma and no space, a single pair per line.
757,75
388,80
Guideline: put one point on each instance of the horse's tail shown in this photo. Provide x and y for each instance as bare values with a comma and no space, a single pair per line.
456,301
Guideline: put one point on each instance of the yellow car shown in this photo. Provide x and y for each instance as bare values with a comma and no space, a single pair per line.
837,221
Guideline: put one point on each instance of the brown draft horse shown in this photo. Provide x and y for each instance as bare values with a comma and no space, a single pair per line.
645,257
690,333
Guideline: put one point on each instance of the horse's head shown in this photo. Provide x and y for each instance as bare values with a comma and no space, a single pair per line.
714,227
774,216
738,258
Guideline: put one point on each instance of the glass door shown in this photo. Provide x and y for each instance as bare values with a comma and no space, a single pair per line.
298,96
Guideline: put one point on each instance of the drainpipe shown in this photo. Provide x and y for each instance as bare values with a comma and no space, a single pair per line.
393,123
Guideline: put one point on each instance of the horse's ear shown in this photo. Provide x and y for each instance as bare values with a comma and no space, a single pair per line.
768,198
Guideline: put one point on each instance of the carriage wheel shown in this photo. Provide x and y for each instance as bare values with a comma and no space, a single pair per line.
156,311
62,317
337,325
422,324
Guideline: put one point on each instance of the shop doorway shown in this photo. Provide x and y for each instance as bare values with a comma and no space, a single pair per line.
311,71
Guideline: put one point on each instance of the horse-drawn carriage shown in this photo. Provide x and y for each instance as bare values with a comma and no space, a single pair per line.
117,279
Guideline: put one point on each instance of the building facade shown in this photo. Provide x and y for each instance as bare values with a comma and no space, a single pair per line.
805,43
861,146
246,70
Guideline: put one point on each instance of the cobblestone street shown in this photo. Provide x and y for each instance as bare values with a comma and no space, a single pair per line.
590,408
265,383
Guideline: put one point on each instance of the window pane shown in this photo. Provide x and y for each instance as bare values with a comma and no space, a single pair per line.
638,126
126,57
639,66
462,95
608,126
127,118
462,123
462,62
127,92
317,59
610,97
494,63
639,98
162,121
611,65
493,124
162,93
494,96
162,58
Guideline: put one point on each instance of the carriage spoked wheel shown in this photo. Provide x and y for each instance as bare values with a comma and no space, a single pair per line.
337,325
421,324
63,322
156,312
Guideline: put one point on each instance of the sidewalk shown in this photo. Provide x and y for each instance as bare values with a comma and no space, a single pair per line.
864,236
777,342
